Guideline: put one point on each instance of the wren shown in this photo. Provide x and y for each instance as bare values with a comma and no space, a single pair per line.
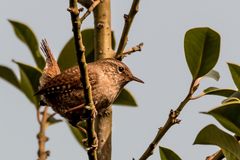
64,91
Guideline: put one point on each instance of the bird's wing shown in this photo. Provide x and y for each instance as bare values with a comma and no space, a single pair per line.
65,81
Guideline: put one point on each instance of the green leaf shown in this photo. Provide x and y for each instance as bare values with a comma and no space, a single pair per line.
26,35
228,115
230,99
79,135
212,135
213,74
219,92
27,89
52,120
202,47
228,155
167,154
113,41
235,72
125,98
29,81
33,74
233,97
8,75
67,57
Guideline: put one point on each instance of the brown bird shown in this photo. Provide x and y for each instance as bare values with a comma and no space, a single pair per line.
64,91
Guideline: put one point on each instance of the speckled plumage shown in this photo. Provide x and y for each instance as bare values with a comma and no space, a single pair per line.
64,91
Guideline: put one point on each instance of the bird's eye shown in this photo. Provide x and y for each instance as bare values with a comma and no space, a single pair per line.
120,69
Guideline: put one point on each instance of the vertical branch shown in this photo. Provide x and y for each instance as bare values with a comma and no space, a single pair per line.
42,138
102,31
80,51
128,22
103,49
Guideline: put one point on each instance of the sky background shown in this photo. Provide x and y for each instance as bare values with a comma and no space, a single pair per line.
161,25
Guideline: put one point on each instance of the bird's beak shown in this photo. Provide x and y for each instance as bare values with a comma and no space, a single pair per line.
137,79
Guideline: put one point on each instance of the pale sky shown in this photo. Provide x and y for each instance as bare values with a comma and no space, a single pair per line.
161,25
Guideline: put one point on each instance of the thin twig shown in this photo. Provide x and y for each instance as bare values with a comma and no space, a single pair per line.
216,156
128,22
42,138
38,116
172,119
85,3
90,9
129,51
80,51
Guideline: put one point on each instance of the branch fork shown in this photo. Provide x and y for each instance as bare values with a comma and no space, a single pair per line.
130,51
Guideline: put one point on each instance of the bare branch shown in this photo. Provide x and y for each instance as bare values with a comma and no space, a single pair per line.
129,51
85,3
128,22
42,138
172,119
216,156
90,9
80,51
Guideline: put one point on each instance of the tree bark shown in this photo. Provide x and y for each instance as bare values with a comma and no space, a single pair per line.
103,49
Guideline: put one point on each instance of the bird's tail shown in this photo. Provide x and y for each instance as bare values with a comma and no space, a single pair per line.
51,68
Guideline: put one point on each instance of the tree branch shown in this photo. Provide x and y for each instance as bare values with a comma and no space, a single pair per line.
172,119
129,51
90,9
85,3
128,22
216,156
42,138
103,49
80,51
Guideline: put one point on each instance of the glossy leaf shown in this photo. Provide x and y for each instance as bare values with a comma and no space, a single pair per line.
228,115
26,35
167,154
33,74
202,47
52,120
212,135
235,97
213,74
113,41
27,89
8,75
67,57
228,155
219,92
125,98
231,99
29,81
235,72
79,135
